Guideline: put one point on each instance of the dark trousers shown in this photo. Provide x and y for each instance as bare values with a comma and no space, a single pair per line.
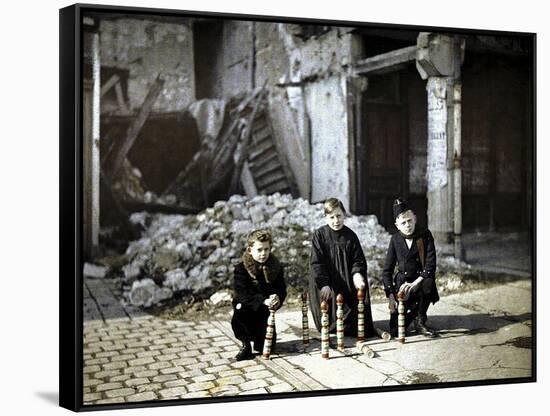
249,325
417,305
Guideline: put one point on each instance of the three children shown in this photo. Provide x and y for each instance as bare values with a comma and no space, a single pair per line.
337,266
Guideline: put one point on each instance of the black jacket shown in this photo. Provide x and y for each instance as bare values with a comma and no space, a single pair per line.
252,291
409,264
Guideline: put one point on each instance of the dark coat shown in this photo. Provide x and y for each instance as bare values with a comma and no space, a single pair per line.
252,289
335,257
409,264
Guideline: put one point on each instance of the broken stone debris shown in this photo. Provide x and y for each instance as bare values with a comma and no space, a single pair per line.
94,271
195,253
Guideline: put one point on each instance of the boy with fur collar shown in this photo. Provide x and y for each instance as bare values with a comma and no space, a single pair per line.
413,251
259,284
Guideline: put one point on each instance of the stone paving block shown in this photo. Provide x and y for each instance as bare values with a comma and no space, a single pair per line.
243,364
228,354
258,374
122,377
134,369
188,354
148,387
106,354
209,357
94,361
90,397
185,361
107,373
260,390
136,381
144,354
137,344
192,373
146,373
176,383
92,382
134,350
127,391
196,394
280,388
140,397
203,378
253,384
225,390
111,401
86,390
210,350
200,386
115,365
91,369
141,361
221,361
197,366
251,368
165,377
223,343
173,392
172,370
232,348
217,369
123,357
232,372
159,365
108,386
115,347
167,357
164,341
230,380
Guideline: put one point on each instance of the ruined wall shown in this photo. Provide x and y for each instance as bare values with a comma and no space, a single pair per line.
146,48
307,104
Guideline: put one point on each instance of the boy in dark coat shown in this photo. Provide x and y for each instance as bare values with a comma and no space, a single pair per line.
259,284
413,251
338,265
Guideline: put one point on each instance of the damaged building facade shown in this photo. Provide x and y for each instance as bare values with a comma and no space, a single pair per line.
361,113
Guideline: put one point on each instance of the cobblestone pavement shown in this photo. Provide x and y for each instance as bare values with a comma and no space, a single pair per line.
130,356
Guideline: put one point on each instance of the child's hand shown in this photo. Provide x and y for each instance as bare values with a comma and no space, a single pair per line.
326,293
358,281
392,305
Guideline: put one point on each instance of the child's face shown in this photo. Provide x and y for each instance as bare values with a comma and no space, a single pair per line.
406,222
335,220
260,251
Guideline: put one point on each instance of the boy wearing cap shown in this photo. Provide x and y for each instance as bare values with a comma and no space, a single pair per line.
413,251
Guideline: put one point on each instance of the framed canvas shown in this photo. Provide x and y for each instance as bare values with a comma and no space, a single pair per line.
259,207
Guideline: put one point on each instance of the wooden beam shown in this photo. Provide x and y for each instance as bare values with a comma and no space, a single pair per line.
137,124
385,62
109,84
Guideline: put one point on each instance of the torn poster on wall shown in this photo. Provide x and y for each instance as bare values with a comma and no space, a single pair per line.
437,134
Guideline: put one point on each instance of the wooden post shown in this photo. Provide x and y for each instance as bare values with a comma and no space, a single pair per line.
324,330
269,334
360,315
305,322
340,322
401,318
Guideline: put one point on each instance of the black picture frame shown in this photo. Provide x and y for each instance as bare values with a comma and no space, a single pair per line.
71,202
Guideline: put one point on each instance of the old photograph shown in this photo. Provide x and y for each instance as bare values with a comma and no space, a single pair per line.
273,207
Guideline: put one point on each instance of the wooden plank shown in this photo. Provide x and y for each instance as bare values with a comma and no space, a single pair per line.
247,181
260,150
109,84
269,180
258,163
268,170
137,124
385,62
281,186
120,99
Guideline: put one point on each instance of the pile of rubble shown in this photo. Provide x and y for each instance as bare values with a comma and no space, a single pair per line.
195,253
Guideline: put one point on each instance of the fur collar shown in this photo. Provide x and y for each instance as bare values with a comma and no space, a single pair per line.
270,269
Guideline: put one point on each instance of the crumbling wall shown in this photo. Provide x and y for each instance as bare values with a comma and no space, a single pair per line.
147,48
302,73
